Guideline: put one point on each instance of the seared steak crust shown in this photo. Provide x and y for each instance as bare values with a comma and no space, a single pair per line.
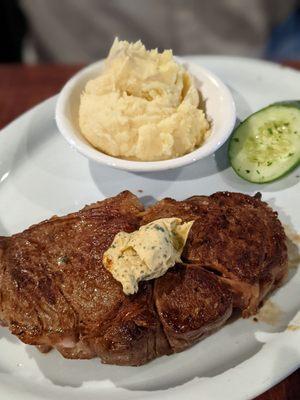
235,235
191,303
55,292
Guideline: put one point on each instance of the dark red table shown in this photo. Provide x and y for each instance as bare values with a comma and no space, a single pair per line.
22,87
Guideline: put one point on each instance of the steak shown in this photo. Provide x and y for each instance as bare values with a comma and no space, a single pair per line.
191,303
55,292
239,237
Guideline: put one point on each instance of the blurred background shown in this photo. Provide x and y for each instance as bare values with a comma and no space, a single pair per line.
81,31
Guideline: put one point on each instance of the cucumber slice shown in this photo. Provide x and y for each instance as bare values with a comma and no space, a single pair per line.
266,145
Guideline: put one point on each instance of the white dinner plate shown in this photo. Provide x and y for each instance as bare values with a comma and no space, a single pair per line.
41,175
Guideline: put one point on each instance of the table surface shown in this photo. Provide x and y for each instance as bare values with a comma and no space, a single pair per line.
22,87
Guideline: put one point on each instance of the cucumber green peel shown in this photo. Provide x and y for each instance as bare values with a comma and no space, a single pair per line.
266,145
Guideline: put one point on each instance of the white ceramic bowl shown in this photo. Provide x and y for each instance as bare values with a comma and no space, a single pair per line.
219,107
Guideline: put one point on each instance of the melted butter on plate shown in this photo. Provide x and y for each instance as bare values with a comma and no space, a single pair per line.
293,246
270,313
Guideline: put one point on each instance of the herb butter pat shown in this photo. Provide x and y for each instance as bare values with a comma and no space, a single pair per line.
146,253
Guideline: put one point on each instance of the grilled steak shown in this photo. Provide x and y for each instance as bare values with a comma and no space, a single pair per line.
191,303
237,236
55,292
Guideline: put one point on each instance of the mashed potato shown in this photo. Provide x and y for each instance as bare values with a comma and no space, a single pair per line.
144,106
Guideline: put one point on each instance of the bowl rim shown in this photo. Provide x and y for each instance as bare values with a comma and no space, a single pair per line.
86,149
